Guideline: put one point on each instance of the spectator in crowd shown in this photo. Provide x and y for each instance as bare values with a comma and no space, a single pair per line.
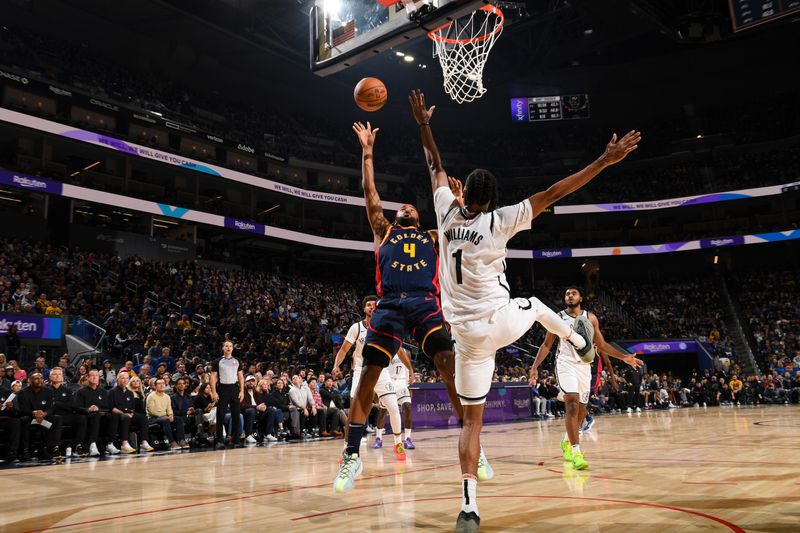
331,397
41,366
276,431
183,404
122,402
166,359
68,371
35,404
281,400
205,409
12,342
255,411
303,403
8,376
93,400
159,410
10,424
65,407
327,416
108,377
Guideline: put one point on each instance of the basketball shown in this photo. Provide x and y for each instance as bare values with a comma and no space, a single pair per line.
370,94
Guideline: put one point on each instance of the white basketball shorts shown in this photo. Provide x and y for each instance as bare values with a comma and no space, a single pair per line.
574,378
476,342
384,387
401,389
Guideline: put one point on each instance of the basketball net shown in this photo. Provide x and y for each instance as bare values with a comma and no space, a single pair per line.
463,48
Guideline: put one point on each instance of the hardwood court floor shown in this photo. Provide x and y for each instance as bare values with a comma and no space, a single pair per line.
687,470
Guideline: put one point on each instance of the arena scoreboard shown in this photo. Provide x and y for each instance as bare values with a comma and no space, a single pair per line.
542,108
748,13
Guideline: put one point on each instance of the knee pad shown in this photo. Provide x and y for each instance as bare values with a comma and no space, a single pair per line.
437,341
376,356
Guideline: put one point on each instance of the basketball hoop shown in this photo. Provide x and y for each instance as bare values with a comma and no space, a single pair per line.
463,49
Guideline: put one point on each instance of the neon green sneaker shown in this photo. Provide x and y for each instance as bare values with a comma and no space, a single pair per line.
566,447
485,470
349,470
578,462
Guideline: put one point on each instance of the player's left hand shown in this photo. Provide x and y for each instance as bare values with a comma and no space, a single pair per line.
617,151
457,188
421,113
366,135
633,361
534,374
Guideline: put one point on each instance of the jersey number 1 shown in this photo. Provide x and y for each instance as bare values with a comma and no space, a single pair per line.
457,256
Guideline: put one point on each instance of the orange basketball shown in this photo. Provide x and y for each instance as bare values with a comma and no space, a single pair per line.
370,94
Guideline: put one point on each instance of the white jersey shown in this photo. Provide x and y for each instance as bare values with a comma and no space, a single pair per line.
397,370
357,336
472,252
566,351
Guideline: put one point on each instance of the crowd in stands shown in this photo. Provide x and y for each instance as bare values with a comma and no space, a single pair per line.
165,323
769,301
523,154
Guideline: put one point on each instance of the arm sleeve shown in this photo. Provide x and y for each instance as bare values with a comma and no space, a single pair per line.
443,202
512,219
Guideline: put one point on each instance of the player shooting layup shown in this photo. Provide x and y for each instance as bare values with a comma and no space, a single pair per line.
475,297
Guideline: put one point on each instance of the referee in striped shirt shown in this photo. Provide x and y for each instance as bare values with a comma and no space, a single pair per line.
227,389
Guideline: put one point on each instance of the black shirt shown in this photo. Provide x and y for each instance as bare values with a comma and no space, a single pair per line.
11,411
86,397
29,401
121,399
64,400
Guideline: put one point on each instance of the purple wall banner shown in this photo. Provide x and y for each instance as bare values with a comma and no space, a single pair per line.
718,242
244,225
552,254
31,183
654,347
32,326
506,402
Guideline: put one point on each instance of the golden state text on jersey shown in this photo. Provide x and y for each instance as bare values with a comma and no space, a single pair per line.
407,261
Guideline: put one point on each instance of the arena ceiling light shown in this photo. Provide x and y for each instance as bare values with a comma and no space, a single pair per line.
408,59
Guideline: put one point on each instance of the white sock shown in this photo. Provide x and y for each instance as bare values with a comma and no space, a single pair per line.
576,340
379,433
554,324
566,437
576,448
408,433
469,490
398,438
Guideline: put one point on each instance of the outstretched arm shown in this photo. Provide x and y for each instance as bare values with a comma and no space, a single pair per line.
541,355
423,117
605,348
615,152
378,223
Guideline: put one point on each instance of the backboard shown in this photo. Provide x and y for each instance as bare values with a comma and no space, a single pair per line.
345,32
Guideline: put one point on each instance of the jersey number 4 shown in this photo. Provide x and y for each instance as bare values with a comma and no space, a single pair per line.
457,256
410,249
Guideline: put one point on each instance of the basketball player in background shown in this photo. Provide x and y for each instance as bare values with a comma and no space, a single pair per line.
400,365
384,388
402,373
574,373
407,282
476,299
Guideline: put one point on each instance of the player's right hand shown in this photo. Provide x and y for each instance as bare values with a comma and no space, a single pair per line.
421,113
214,397
366,135
335,372
534,375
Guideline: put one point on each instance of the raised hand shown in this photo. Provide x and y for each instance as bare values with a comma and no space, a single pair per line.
457,189
617,151
421,113
366,135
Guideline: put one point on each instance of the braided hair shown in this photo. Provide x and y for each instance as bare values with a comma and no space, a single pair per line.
481,188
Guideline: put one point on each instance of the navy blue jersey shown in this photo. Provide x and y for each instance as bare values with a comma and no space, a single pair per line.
407,261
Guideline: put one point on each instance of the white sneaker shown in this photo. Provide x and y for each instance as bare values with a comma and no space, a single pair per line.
111,449
127,448
145,446
271,438
629,410
68,452
93,451
250,440
638,409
